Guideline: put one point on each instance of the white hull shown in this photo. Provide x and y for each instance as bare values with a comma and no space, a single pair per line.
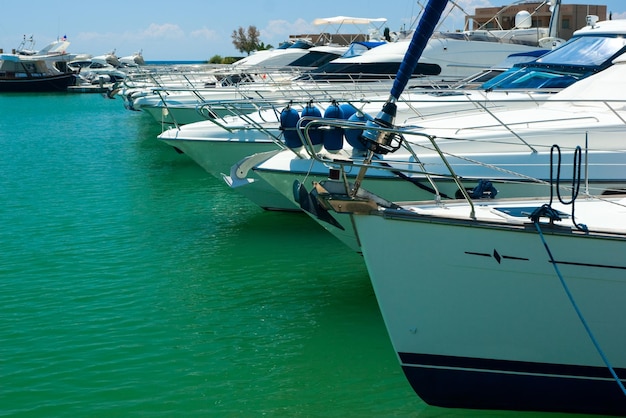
510,148
217,155
479,318
180,108
171,116
282,172
184,115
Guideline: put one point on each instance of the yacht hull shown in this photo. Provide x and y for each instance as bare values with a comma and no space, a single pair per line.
479,318
284,174
217,155
37,84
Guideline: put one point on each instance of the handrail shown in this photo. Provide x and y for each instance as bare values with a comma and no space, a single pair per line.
408,166
306,123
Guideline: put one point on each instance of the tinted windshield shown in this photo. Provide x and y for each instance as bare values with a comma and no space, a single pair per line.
578,58
585,50
530,78
358,48
314,59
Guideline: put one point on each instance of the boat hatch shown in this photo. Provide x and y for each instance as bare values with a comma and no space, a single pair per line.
525,211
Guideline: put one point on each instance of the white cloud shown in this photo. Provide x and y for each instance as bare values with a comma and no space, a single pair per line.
282,29
152,39
153,31
162,31
89,36
206,34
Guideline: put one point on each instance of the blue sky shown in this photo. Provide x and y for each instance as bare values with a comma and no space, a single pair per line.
200,29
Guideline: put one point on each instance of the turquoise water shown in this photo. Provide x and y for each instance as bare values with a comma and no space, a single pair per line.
134,284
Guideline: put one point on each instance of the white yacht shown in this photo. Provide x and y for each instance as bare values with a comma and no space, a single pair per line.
503,304
29,70
508,149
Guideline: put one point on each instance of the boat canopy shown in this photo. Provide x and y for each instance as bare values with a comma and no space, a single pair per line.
345,20
374,25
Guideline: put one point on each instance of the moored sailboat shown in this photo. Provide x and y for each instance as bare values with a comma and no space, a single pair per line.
495,304
482,316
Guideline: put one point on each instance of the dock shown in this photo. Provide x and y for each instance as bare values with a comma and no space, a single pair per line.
88,89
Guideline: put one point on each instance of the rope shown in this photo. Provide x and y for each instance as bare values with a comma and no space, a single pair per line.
575,175
579,313
575,181
552,214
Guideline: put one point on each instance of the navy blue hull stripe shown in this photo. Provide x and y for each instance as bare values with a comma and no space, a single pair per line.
456,382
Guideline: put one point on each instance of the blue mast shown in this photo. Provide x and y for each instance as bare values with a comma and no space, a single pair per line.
379,142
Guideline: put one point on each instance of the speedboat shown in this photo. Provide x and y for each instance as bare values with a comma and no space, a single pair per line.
501,148
99,69
524,85
260,78
257,75
180,105
250,121
264,67
200,140
134,60
446,59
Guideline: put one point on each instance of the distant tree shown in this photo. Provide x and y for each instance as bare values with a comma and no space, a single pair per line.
230,60
246,40
262,46
216,59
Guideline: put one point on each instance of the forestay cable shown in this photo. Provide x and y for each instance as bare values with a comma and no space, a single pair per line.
578,312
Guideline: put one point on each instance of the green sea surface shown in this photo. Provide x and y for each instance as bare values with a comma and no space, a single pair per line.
132,283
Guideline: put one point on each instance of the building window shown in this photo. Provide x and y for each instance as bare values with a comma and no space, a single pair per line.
565,23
